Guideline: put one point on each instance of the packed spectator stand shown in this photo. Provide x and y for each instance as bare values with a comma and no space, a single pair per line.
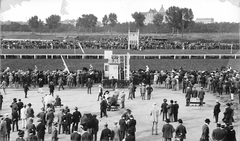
119,42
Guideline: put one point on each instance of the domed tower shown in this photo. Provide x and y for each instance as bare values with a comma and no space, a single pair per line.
162,11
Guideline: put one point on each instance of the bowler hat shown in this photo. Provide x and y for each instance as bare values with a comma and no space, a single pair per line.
167,120
29,104
207,120
20,133
228,104
76,108
180,121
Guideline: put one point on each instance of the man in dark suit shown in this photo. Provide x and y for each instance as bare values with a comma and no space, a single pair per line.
218,134
228,114
95,127
68,121
103,107
164,109
175,111
76,118
49,119
123,128
75,136
201,94
30,112
14,119
188,96
216,111
132,124
106,133
89,85
42,115
40,130
20,106
8,124
181,131
205,131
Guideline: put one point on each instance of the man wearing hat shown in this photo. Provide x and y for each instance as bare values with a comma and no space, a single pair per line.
40,85
155,113
188,95
31,126
168,131
20,135
218,134
216,110
30,111
201,94
75,136
3,127
228,114
49,119
131,124
76,118
122,98
194,94
42,115
8,124
14,119
106,133
116,132
164,109
230,134
14,105
181,131
32,136
40,130
55,132
205,131
95,127
123,127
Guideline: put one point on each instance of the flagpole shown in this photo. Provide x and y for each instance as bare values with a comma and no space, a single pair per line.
128,36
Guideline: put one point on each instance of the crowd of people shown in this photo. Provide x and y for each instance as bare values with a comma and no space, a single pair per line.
56,78
119,42
222,81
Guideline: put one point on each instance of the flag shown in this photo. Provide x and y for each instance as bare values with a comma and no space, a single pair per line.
81,48
64,6
65,65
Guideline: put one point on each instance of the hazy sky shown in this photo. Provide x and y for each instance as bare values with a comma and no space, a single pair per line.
22,10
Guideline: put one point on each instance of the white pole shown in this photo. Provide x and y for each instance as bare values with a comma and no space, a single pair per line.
231,48
128,36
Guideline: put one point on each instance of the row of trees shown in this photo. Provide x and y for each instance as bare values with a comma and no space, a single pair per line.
176,20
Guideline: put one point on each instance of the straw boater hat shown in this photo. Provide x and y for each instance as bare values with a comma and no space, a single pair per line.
154,104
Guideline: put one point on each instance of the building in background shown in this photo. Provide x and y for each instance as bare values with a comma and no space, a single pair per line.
149,16
204,20
72,22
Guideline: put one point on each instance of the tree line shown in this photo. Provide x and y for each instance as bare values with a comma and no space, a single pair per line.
176,20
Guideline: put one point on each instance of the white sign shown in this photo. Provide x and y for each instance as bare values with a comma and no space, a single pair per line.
108,54
113,71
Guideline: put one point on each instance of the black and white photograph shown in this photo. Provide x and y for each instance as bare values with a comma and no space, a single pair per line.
120,70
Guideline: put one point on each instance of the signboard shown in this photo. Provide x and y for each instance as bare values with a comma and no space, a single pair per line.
113,71
108,54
